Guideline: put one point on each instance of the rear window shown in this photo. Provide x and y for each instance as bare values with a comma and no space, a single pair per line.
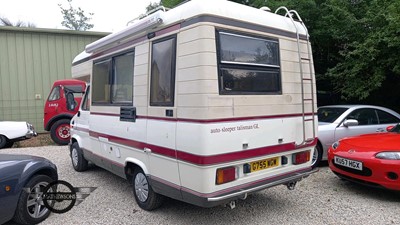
330,114
74,88
251,67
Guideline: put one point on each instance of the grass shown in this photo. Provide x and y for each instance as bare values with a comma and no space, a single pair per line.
42,139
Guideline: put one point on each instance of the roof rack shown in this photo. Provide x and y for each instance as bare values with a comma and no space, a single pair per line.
148,13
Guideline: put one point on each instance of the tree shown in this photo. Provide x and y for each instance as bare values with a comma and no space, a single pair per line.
75,19
6,22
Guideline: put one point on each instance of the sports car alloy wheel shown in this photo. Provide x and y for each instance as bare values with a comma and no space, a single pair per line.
35,206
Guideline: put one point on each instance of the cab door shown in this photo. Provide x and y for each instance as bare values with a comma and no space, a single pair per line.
80,122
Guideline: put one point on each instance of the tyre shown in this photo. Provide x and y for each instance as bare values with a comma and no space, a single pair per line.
145,197
9,144
3,141
30,208
59,132
79,162
317,156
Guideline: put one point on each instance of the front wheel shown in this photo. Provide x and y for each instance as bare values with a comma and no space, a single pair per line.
145,197
317,156
59,132
79,162
31,209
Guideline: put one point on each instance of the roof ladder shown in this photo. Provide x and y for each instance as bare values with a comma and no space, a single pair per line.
306,116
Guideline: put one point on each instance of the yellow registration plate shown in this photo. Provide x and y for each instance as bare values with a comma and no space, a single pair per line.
264,164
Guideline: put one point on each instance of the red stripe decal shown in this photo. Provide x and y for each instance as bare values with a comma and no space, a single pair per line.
209,121
200,159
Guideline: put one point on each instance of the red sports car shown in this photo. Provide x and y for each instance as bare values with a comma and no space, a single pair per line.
371,159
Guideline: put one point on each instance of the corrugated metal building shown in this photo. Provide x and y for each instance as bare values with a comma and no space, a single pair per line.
31,59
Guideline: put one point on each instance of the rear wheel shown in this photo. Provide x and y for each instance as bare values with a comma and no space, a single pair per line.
9,144
79,162
31,209
59,132
145,197
3,141
317,156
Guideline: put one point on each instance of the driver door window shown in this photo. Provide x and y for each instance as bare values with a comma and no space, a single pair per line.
364,116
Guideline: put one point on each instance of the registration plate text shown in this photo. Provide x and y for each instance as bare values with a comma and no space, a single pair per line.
264,164
357,165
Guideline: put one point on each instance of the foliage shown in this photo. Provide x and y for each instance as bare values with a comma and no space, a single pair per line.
6,22
75,19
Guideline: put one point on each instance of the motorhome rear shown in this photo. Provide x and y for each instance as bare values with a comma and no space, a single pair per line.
204,103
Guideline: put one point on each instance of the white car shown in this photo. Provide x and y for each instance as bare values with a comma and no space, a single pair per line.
12,131
339,121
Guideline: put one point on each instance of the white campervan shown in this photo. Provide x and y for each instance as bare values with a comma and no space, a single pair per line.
204,103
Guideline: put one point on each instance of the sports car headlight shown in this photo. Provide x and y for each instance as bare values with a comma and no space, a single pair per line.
388,155
335,145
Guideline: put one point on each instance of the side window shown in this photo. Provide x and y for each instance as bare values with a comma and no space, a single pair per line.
101,82
55,94
123,79
112,81
162,86
86,100
364,116
251,67
386,118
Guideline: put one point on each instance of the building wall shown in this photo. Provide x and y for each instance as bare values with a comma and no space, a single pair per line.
31,59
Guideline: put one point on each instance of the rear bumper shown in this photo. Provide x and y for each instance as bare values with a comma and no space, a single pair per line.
295,177
240,192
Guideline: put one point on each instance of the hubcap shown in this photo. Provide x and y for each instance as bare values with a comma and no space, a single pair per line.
63,131
35,206
141,187
74,155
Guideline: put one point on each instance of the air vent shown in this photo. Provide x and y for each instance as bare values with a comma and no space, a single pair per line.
128,114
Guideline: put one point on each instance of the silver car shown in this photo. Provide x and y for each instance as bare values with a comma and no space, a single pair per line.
339,121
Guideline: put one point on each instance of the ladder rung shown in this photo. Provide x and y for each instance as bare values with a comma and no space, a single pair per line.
309,120
308,99
307,79
307,59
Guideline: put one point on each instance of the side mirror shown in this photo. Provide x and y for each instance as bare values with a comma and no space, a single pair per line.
350,122
389,128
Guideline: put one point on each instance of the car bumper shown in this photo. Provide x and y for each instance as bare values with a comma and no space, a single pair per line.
31,131
211,200
376,173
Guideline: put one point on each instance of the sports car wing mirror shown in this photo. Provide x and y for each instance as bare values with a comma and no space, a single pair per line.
389,128
350,122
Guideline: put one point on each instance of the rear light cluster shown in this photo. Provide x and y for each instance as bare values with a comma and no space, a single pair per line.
301,157
225,175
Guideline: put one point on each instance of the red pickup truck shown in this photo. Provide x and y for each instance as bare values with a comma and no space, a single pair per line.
61,105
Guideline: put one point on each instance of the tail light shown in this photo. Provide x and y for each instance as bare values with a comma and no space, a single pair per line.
225,175
301,157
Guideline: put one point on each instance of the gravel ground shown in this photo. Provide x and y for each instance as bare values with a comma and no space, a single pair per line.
322,198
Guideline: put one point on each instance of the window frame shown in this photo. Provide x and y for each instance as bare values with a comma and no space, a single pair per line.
111,76
52,92
173,72
221,65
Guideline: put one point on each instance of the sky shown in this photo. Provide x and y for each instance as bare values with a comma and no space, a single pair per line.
109,16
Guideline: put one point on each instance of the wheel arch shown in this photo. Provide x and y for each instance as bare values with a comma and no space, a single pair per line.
131,164
57,118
